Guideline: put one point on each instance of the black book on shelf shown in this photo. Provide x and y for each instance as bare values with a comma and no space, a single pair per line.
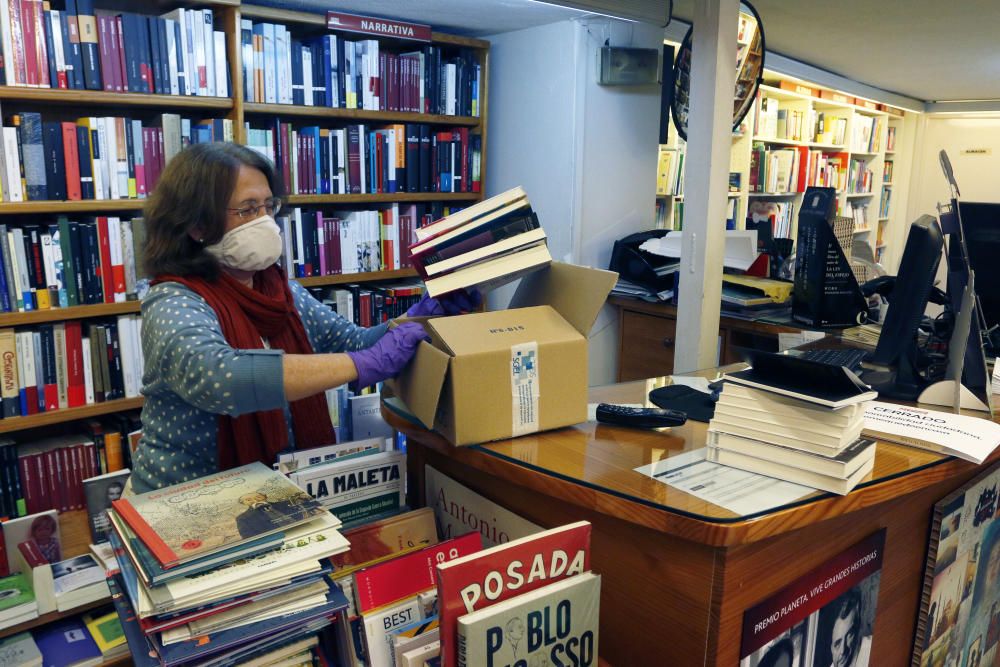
86,166
164,59
89,50
55,161
811,381
50,47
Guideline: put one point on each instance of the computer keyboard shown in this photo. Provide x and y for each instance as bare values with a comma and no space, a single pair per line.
850,359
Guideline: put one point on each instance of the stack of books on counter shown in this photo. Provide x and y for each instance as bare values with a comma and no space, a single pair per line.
795,420
226,569
490,243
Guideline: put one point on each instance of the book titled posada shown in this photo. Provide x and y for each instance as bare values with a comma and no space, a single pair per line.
211,513
553,625
356,488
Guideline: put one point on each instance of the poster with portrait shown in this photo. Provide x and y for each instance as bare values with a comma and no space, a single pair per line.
959,622
823,619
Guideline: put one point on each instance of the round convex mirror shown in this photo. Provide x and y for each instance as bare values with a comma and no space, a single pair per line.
749,70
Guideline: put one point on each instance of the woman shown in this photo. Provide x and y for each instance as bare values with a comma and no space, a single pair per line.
236,356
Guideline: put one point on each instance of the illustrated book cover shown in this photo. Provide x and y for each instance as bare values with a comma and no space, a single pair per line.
192,519
100,492
512,632
473,583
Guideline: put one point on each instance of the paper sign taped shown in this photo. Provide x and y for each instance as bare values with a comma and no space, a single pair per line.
524,388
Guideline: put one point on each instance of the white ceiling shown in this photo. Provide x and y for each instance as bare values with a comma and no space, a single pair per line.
926,49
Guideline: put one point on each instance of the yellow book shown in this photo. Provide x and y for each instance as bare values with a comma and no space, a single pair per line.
106,631
778,290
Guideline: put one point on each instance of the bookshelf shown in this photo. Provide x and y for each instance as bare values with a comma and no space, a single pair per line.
65,105
858,142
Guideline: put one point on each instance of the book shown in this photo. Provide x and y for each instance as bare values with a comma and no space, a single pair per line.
841,465
491,576
107,633
469,213
809,381
385,538
806,441
420,656
41,528
17,601
838,485
359,488
66,643
100,492
20,650
301,459
491,273
184,521
512,631
413,636
748,401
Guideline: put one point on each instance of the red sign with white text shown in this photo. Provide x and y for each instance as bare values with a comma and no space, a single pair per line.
373,25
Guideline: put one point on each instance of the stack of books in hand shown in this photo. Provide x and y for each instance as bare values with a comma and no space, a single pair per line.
485,245
795,420
224,569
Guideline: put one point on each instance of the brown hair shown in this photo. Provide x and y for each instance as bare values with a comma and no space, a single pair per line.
192,195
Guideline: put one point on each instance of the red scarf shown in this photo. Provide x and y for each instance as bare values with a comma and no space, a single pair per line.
246,316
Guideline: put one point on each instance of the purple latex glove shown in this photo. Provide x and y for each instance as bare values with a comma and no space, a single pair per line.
452,303
387,357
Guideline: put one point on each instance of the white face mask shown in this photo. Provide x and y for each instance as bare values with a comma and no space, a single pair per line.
253,246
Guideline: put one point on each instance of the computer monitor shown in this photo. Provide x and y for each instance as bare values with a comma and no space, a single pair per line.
981,224
897,343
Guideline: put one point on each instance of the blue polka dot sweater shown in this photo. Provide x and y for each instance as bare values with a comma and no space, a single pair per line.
192,375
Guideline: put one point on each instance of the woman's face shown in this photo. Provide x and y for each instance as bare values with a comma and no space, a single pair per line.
251,189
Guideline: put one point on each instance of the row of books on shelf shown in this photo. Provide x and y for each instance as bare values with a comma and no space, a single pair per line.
70,364
884,201
178,53
860,177
866,135
92,638
332,71
859,212
669,171
95,157
808,125
389,588
890,142
370,305
70,263
788,170
359,159
887,171
780,215
670,215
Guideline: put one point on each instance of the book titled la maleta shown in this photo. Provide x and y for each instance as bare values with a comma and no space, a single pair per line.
356,489
553,625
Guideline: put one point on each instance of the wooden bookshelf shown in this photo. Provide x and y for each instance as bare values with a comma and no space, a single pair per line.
357,114
13,424
100,97
55,616
382,198
71,207
70,313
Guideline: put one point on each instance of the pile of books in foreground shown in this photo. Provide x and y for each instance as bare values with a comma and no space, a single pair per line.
795,420
225,570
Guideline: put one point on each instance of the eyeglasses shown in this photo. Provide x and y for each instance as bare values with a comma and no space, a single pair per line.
271,207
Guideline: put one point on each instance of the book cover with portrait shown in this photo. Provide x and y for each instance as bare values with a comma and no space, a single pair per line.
959,620
208,514
824,618
100,492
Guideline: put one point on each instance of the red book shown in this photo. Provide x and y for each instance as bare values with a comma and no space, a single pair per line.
118,52
4,567
76,393
505,571
104,41
77,464
461,135
17,60
41,49
284,150
407,575
104,242
56,482
802,177
28,37
338,265
32,554
46,501
72,159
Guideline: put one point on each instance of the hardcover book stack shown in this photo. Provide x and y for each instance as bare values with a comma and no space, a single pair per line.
490,243
224,569
795,420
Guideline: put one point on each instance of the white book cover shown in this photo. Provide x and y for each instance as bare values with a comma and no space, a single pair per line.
209,45
198,51
88,373
299,460
355,489
98,168
335,70
270,69
75,573
307,76
55,26
221,83
107,159
13,191
127,355
172,71
280,51
420,656
21,649
378,623
514,632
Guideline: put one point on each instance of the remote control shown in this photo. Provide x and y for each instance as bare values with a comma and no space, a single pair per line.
639,417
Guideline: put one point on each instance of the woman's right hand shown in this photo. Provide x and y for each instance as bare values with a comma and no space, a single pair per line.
389,355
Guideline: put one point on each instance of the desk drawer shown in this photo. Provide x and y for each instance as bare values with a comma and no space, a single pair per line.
647,346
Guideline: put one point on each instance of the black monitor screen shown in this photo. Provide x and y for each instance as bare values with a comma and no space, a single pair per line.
981,222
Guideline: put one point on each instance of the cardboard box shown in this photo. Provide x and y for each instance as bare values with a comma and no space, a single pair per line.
495,375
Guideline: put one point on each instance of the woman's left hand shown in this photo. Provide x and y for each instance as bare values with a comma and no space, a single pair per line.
452,303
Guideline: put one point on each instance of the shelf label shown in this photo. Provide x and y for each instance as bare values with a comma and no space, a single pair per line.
373,25
977,151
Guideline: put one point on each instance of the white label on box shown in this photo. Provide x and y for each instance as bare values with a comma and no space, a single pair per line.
524,387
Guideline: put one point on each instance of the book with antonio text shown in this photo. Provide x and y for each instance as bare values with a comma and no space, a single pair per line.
811,381
509,570
215,512
502,633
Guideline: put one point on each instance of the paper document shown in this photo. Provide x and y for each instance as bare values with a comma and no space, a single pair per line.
743,493
787,341
969,438
740,253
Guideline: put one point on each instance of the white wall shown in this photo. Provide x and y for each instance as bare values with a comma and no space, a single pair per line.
585,154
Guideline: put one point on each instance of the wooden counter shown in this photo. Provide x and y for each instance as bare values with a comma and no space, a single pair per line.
678,572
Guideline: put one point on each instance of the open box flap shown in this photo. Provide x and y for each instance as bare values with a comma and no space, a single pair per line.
419,384
575,292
